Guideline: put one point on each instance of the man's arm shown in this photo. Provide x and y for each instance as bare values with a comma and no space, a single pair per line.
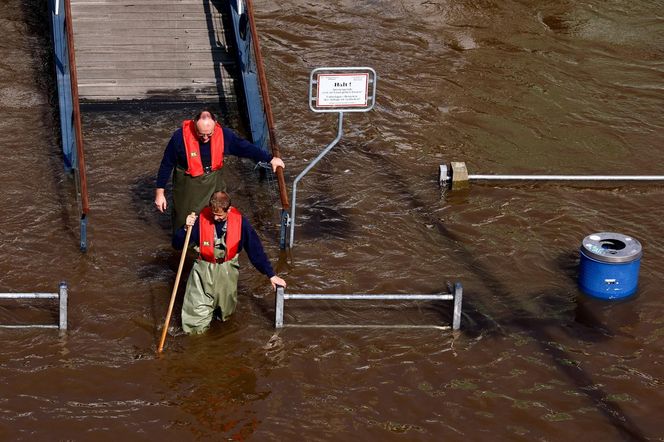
235,145
168,162
254,248
181,233
251,244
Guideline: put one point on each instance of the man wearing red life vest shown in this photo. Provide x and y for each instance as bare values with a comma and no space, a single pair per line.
219,234
194,157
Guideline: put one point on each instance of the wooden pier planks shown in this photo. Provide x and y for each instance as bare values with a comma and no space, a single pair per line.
170,50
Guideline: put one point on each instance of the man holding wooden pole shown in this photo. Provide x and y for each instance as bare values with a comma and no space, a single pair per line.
219,234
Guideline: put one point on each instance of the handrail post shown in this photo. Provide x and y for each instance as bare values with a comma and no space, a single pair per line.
63,306
76,115
458,295
262,78
307,169
279,307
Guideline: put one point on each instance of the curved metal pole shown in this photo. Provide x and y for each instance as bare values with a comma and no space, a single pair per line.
569,177
307,169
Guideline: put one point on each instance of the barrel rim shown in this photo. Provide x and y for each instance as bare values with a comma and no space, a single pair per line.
592,248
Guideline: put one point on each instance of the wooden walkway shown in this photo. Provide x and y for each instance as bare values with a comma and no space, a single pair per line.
159,50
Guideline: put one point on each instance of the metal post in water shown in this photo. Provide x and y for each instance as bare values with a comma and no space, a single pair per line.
307,169
458,295
63,306
279,308
84,233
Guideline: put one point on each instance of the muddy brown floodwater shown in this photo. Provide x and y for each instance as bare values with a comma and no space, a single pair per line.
509,87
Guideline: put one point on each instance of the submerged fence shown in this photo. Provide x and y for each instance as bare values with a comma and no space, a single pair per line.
61,296
456,297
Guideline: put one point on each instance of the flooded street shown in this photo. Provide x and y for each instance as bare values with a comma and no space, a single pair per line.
509,87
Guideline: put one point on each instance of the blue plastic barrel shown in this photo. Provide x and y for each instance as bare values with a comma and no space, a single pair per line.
609,267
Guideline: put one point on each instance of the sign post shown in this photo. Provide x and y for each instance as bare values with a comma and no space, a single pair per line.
336,89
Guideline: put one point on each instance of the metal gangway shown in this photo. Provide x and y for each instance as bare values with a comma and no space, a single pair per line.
456,296
60,296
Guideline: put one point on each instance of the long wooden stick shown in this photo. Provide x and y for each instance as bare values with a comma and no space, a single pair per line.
175,290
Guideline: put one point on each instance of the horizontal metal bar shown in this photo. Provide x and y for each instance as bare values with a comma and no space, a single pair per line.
437,327
369,296
28,326
29,295
570,177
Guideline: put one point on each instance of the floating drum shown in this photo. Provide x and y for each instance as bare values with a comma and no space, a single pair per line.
609,267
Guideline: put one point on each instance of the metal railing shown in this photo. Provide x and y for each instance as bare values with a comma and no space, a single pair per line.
70,114
61,296
283,192
456,296
456,173
259,108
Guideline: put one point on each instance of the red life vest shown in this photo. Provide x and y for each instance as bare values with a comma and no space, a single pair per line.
193,150
206,234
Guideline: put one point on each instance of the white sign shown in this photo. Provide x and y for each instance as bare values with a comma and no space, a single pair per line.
342,90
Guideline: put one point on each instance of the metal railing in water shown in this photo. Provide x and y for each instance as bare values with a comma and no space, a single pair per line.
256,89
455,174
70,114
61,296
456,297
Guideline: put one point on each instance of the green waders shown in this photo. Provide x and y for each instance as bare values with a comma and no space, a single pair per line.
210,285
192,194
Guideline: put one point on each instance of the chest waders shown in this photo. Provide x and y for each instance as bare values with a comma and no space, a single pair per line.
192,194
210,285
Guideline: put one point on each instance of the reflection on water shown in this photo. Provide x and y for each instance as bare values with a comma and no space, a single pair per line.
513,87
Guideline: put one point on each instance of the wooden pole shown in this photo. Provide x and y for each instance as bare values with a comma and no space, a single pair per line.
175,290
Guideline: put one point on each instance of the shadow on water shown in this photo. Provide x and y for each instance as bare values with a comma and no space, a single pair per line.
582,380
323,217
142,201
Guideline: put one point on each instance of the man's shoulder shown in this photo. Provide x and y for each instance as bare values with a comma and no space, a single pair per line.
177,136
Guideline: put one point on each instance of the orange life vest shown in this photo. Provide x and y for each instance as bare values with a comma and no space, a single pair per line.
193,150
206,234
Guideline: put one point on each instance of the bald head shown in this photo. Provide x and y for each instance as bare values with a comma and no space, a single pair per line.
205,128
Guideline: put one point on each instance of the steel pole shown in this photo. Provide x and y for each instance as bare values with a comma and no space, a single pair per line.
307,169
569,177
414,297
